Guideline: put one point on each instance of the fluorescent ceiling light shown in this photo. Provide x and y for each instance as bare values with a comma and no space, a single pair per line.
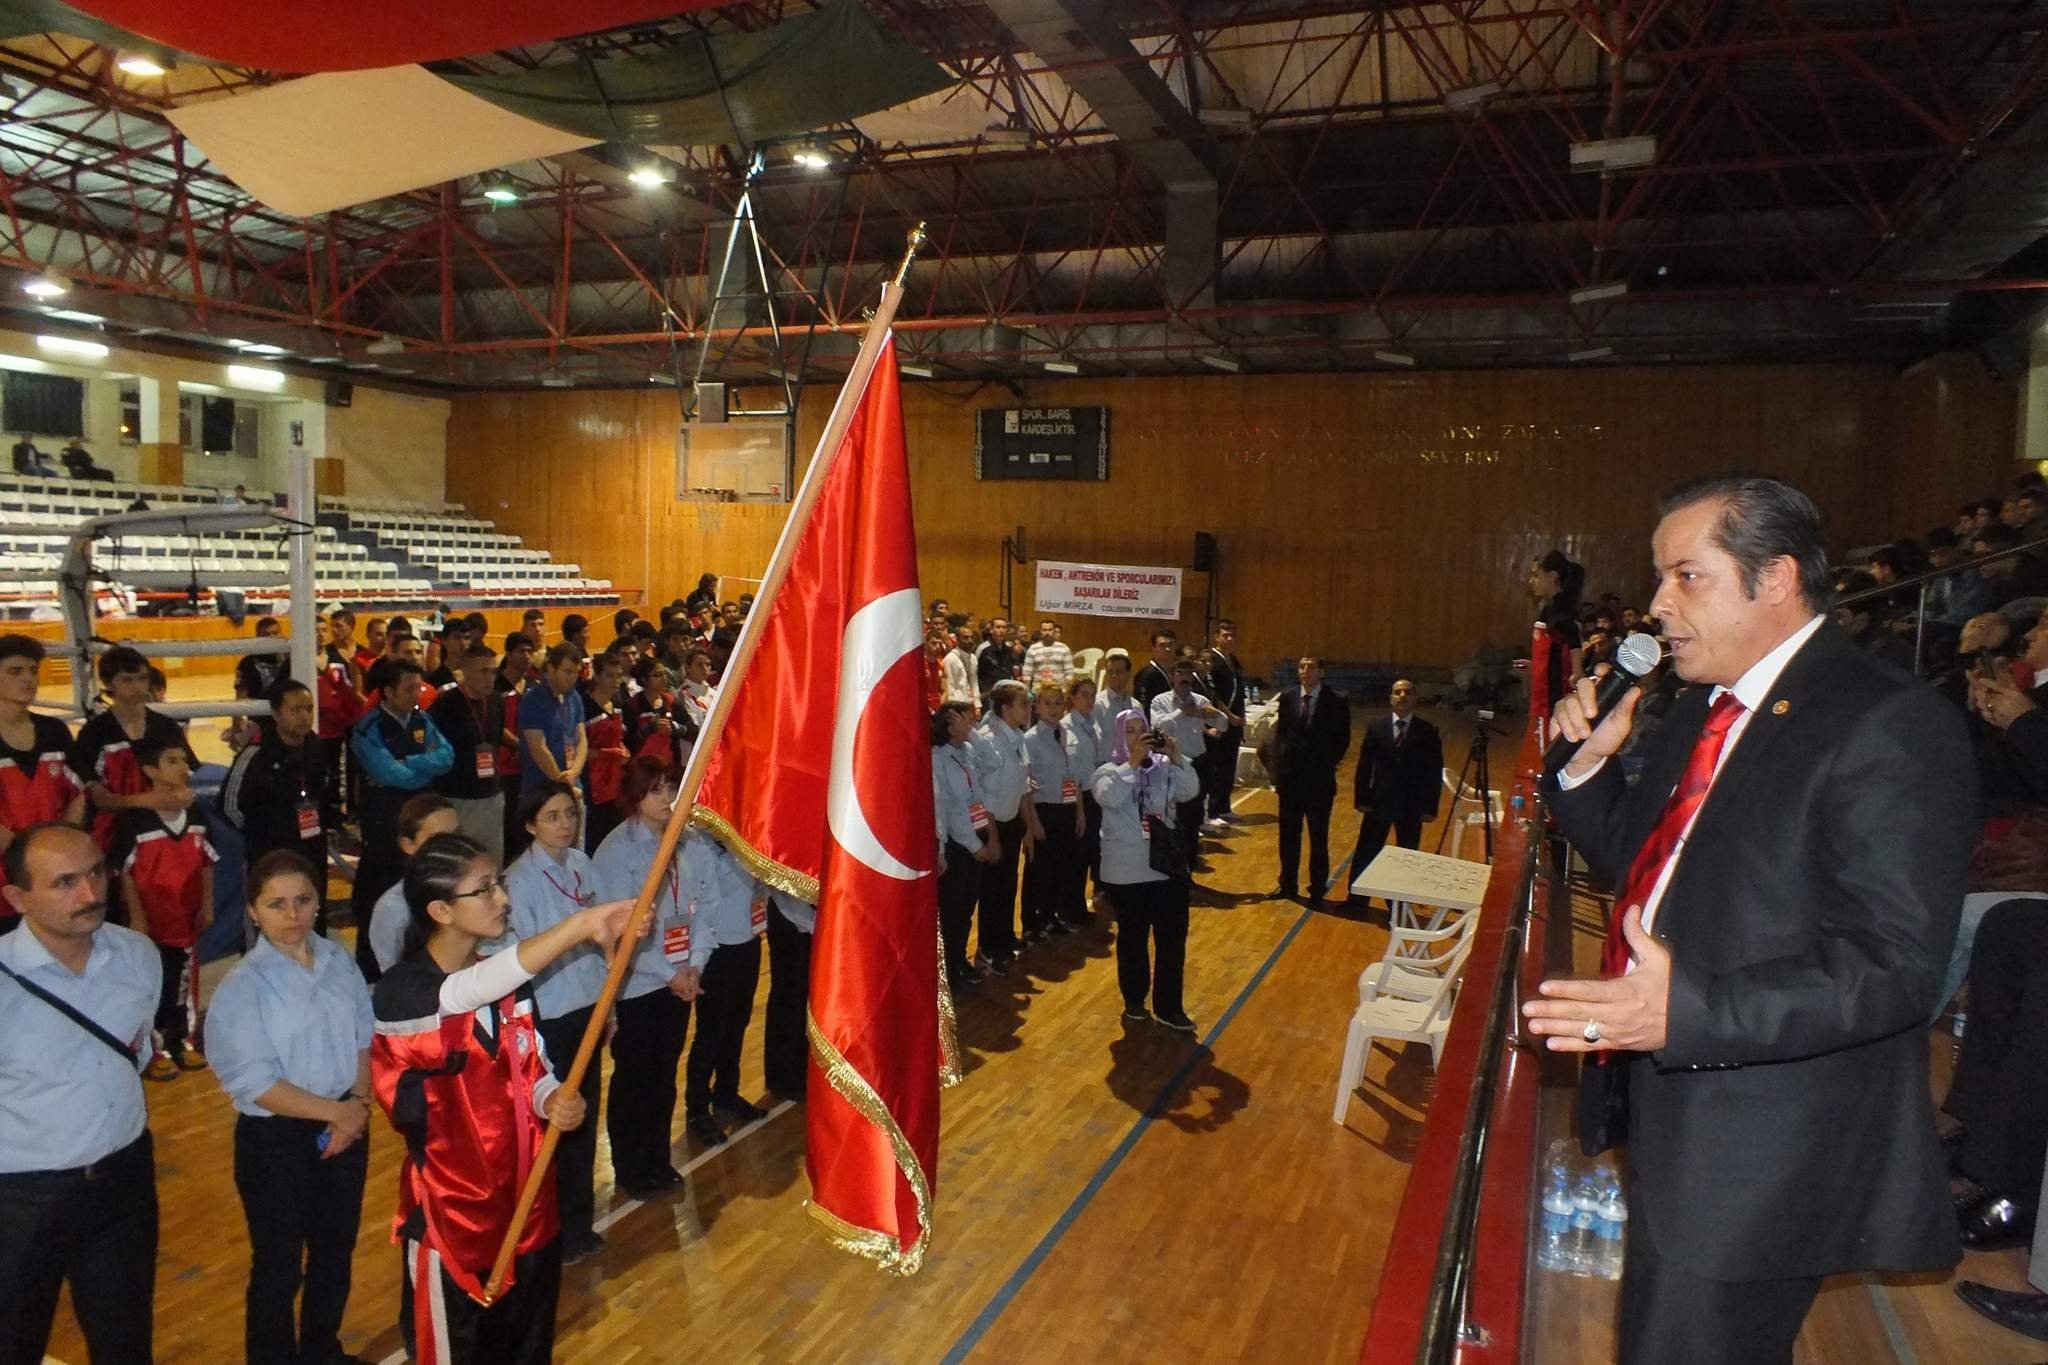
916,371
1222,362
72,346
1062,367
258,348
1614,154
1594,293
812,157
662,377
1006,135
1218,116
555,381
140,64
73,315
1593,353
255,377
501,193
47,285
1469,97
1393,357
386,345
648,177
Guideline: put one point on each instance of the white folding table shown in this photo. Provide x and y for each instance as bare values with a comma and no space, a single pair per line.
1410,880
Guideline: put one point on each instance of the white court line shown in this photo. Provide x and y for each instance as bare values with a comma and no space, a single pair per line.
619,1211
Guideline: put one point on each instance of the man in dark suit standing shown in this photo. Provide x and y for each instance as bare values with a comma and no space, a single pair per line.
1227,689
1399,784
1791,870
1311,732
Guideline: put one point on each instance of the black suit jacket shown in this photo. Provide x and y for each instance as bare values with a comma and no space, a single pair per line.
1400,782
1786,1128
1226,680
1306,757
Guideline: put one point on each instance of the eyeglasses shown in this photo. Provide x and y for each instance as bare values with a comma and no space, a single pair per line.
494,884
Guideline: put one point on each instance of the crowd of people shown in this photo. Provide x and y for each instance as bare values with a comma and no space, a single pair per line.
497,804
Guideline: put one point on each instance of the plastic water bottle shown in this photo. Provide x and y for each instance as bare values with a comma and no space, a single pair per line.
1586,1201
1553,1241
1611,1231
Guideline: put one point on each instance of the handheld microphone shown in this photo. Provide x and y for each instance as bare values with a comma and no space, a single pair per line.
1638,656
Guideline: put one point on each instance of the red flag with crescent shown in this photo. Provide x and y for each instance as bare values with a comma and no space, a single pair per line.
821,784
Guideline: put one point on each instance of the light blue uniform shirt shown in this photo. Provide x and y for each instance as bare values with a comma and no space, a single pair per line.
1005,771
543,894
725,893
1046,747
389,918
621,863
956,788
1085,749
1123,796
273,1020
1185,726
65,1098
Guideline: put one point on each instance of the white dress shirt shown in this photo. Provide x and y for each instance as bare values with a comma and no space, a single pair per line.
1752,689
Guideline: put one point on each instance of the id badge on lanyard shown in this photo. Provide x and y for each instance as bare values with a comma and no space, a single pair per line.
1070,791
675,941
309,818
486,762
978,814
759,911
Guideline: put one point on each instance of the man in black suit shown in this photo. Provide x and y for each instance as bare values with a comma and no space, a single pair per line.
1791,869
1311,732
1227,689
1399,784
1157,674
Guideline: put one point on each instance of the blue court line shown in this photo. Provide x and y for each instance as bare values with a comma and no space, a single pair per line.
977,1329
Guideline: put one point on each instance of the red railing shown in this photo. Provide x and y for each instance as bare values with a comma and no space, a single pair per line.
1454,1286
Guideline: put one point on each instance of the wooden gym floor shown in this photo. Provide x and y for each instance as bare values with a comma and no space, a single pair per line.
1105,1193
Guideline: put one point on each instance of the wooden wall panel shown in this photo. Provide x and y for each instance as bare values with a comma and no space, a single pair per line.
1371,517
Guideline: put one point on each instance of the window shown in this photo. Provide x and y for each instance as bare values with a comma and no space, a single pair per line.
42,404
224,428
131,414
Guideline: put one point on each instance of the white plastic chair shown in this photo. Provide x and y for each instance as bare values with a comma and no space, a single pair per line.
1475,818
1086,662
1416,960
1393,1018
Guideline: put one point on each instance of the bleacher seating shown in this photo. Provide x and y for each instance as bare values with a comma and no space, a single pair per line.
365,551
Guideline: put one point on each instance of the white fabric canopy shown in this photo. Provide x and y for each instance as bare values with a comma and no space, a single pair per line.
325,142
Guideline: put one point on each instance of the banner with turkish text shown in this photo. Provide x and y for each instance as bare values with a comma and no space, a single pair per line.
1152,594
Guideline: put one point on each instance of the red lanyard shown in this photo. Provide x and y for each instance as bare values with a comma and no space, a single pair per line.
576,897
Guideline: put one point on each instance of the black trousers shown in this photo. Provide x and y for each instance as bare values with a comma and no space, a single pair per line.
1151,943
598,821
1091,847
1054,876
518,1329
1668,1317
712,1075
380,867
94,1227
998,893
645,1054
1998,1094
303,1211
177,1007
516,837
958,885
1187,817
1372,837
785,1046
576,1152
1222,776
1301,803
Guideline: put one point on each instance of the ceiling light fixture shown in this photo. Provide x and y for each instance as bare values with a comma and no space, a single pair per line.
47,285
385,345
916,371
92,350
1006,135
141,64
255,377
1062,367
649,177
1614,154
1467,98
1222,116
1222,362
1592,353
811,157
556,381
502,192
1594,293
1393,358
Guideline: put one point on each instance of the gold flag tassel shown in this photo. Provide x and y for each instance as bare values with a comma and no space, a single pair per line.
950,1073
763,868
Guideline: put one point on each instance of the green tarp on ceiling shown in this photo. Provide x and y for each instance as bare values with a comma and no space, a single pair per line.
804,74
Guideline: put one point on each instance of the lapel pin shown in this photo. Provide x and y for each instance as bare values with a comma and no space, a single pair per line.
1780,708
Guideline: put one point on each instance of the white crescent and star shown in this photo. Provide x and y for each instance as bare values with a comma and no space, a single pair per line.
877,637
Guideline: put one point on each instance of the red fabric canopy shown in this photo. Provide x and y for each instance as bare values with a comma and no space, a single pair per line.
367,33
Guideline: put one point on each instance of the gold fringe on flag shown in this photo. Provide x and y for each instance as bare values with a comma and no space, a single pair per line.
950,1073
881,1247
765,869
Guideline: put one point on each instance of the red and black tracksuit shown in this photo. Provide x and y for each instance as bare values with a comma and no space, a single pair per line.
166,859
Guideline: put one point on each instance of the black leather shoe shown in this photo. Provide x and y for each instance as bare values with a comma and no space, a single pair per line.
2026,1314
1952,1152
1966,1199
1281,893
705,1129
739,1111
1998,1225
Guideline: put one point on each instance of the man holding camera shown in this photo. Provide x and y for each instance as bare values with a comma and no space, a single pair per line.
1187,716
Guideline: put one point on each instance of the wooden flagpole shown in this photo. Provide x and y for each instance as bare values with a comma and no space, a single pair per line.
744,648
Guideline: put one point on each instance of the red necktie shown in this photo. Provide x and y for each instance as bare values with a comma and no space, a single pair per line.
1657,850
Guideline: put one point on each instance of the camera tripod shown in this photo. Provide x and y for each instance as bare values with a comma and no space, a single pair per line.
1479,772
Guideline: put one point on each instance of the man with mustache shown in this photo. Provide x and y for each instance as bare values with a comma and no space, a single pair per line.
77,1175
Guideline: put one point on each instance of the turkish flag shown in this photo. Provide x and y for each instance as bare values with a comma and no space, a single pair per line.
821,783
